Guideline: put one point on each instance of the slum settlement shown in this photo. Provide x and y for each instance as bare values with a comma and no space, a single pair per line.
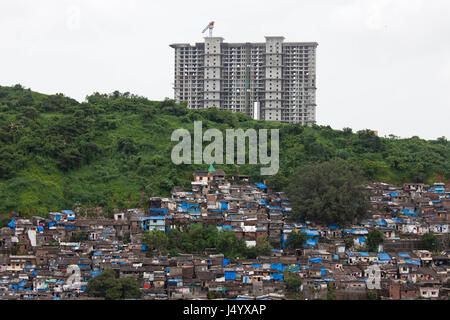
42,258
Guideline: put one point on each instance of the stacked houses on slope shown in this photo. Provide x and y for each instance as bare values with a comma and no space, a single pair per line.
56,256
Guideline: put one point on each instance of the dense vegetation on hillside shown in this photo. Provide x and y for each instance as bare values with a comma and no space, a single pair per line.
331,192
114,150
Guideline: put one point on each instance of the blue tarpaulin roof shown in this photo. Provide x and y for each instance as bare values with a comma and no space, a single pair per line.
412,262
310,233
277,266
316,260
364,254
12,223
158,210
310,243
409,212
261,185
277,276
230,275
384,257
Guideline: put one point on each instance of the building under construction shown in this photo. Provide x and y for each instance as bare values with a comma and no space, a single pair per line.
272,80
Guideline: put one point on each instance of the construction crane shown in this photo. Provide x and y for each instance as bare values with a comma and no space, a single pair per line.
210,26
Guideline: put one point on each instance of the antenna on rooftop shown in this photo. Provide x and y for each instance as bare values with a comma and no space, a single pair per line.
210,26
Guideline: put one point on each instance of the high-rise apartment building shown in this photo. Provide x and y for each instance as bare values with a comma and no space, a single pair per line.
273,80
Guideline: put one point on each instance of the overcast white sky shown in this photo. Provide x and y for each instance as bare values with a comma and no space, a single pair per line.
381,64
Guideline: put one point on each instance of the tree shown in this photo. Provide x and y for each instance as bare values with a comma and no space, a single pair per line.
372,295
7,157
168,106
330,193
126,145
261,249
197,238
227,242
331,292
347,131
114,291
156,240
374,239
98,286
348,242
130,288
293,282
30,113
430,242
106,285
4,222
296,240
69,159
278,181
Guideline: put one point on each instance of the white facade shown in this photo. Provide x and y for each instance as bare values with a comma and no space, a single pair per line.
277,77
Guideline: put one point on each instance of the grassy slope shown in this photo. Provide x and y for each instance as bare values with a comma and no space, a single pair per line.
118,179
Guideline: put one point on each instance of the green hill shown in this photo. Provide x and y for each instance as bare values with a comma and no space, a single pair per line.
114,150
